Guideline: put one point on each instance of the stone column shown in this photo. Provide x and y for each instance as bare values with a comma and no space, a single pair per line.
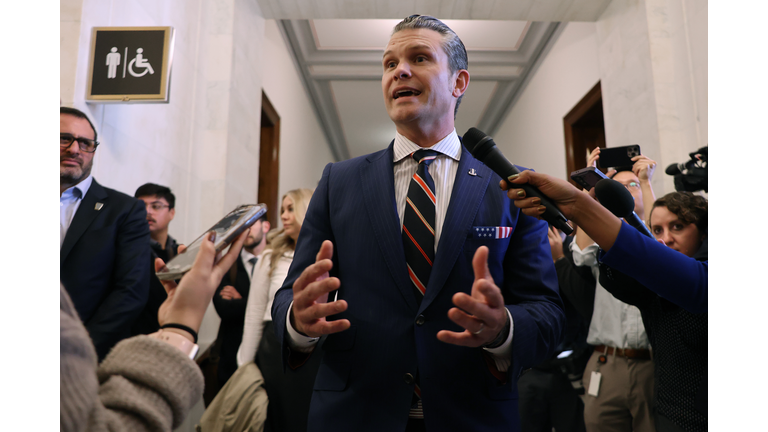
653,60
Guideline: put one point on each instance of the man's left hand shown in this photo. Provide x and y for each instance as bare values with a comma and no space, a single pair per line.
482,314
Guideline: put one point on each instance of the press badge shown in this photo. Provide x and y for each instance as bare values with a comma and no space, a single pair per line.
594,383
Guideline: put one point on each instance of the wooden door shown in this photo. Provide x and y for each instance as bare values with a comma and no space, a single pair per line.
584,130
269,159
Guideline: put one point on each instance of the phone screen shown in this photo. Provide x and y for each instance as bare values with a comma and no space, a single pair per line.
227,230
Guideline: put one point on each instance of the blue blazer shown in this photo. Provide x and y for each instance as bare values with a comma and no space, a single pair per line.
362,382
103,264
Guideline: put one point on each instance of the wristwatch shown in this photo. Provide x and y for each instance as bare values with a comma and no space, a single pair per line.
185,345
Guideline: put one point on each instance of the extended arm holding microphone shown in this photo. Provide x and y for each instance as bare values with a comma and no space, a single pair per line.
680,279
484,149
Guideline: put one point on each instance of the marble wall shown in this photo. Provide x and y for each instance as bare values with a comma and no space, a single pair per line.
651,59
532,134
70,12
653,67
304,151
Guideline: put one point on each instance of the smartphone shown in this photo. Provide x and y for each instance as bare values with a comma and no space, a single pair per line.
588,177
227,230
618,157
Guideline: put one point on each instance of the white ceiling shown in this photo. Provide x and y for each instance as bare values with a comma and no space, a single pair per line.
373,34
337,47
506,10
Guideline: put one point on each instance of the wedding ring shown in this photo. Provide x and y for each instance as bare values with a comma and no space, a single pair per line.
482,327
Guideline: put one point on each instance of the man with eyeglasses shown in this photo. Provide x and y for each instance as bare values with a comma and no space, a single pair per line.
618,379
161,208
103,240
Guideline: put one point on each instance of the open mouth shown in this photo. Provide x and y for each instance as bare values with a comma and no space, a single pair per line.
406,93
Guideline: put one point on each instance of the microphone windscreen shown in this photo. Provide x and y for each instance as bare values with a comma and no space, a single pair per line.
472,138
615,197
673,169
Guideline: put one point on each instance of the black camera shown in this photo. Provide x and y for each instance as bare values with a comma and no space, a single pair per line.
691,176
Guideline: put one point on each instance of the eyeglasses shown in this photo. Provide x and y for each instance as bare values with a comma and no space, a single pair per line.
632,185
157,205
85,144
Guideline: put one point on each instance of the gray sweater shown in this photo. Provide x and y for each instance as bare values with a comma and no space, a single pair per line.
142,385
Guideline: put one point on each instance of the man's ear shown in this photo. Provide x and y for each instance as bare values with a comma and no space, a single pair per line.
461,83
172,212
265,226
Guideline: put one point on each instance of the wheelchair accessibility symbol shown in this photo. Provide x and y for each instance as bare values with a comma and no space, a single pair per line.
140,62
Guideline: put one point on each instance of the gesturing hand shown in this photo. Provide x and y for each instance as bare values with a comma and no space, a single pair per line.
310,295
482,314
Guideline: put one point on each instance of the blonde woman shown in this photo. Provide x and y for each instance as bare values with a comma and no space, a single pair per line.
289,393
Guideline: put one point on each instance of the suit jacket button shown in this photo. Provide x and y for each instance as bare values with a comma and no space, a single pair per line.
420,320
408,378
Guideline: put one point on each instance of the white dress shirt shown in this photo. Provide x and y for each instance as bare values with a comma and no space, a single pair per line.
614,323
69,202
443,173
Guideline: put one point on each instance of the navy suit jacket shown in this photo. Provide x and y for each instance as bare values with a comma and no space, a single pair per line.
103,264
361,383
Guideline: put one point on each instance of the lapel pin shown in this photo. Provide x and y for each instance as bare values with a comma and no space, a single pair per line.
98,206
472,172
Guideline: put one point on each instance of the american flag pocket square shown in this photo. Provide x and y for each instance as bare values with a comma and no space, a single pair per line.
491,232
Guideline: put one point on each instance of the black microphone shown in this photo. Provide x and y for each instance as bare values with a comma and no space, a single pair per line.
616,198
484,149
675,169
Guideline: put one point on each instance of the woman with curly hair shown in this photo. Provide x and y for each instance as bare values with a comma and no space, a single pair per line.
678,336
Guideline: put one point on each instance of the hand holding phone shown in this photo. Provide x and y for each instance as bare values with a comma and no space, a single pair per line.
226,231
587,177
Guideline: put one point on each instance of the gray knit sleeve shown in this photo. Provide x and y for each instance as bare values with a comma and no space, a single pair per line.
142,385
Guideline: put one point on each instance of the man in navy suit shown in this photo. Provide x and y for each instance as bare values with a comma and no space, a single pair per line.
445,357
104,240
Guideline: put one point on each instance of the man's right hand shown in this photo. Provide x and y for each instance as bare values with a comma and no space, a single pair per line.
310,295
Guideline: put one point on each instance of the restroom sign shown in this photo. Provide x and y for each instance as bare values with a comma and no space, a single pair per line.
130,64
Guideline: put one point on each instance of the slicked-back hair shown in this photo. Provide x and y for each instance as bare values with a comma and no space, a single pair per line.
688,207
452,45
151,189
79,114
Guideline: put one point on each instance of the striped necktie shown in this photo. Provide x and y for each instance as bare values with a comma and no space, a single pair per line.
419,223
419,239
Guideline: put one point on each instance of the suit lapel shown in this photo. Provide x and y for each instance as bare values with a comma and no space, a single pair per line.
83,218
468,192
377,183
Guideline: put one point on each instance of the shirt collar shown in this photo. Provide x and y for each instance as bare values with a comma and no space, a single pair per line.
449,146
80,188
245,255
